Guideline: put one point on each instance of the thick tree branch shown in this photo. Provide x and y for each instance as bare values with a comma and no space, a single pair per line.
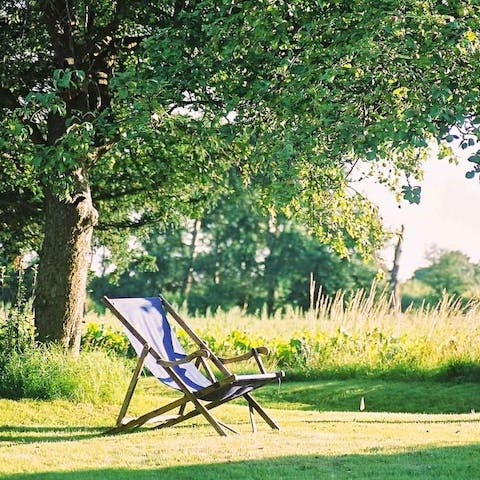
58,21
150,218
128,224
106,40
104,34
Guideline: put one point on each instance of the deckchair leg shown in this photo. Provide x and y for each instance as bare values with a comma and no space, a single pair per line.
228,427
252,403
133,384
209,417
252,419
139,421
201,410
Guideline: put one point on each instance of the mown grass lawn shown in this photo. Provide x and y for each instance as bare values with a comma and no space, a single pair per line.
60,439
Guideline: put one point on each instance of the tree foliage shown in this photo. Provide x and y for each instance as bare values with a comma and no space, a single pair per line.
449,272
123,114
235,255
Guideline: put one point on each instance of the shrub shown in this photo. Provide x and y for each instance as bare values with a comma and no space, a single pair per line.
98,336
47,373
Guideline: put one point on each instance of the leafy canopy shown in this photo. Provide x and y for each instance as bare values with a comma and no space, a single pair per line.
160,101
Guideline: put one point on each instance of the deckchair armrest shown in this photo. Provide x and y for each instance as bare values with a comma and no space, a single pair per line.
199,353
252,353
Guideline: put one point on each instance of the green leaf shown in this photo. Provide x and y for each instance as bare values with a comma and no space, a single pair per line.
412,194
80,75
65,79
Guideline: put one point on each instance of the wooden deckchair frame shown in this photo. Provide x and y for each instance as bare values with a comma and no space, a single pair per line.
190,398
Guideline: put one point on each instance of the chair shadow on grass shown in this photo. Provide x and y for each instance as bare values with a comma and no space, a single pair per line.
16,434
459,462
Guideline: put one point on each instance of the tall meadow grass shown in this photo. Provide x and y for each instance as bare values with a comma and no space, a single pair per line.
48,373
360,335
342,337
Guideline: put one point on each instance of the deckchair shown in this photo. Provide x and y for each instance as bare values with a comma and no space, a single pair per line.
194,375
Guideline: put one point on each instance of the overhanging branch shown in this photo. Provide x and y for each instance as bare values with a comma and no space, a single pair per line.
128,224
109,195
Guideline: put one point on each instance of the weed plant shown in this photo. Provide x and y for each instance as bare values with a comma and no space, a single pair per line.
16,320
98,336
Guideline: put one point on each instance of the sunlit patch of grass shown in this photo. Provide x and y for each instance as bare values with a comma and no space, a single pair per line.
61,439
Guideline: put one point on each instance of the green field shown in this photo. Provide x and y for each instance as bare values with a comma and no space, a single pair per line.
324,435
415,375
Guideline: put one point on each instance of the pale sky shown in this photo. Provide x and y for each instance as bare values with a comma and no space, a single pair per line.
447,216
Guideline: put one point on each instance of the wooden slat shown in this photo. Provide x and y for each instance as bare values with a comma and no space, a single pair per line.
133,384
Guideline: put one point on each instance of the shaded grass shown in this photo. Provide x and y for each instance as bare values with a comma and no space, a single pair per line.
427,397
379,396
321,396
459,462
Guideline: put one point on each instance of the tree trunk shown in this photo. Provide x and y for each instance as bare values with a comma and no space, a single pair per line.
192,254
273,233
64,263
394,284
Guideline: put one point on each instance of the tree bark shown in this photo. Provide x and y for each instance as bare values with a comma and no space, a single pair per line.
64,263
270,264
192,254
394,283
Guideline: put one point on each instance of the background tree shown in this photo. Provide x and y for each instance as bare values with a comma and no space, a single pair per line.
449,272
119,114
236,262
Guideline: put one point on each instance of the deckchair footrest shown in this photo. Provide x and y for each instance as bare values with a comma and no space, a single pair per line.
157,419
